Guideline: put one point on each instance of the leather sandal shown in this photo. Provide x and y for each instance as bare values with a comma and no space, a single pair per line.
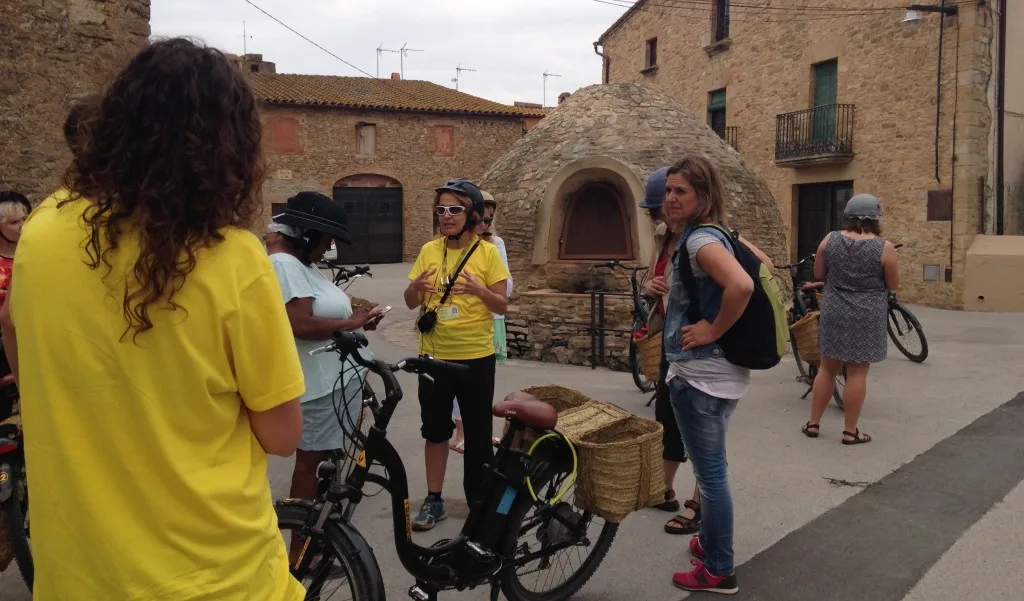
858,437
810,430
685,525
670,503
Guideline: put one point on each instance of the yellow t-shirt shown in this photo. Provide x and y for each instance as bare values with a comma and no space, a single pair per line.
465,326
146,481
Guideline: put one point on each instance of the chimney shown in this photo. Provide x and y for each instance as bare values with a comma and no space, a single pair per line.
563,97
396,76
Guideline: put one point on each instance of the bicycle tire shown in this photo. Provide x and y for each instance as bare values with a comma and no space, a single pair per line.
801,365
639,379
911,319
837,394
14,521
514,590
353,555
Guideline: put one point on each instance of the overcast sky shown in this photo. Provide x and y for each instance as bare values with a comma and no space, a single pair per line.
510,43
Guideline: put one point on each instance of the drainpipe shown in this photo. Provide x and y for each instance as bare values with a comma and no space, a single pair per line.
604,62
1000,118
938,90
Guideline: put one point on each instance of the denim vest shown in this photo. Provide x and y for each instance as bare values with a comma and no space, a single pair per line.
709,303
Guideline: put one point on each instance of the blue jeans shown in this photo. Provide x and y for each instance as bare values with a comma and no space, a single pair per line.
703,421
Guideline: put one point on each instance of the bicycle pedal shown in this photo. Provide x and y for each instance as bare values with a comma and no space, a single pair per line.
479,551
418,594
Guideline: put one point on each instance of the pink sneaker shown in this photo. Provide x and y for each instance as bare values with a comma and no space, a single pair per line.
695,549
700,579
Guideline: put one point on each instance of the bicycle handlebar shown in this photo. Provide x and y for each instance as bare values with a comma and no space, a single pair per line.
349,343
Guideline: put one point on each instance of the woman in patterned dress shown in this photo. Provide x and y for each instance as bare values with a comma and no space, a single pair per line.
859,268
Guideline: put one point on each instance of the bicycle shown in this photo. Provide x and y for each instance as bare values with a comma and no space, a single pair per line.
902,326
343,275
638,315
524,501
805,301
14,487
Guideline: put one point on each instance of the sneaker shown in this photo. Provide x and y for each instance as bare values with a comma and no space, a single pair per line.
700,579
431,512
695,549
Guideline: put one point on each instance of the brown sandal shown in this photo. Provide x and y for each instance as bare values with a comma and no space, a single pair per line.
858,437
670,503
686,525
811,430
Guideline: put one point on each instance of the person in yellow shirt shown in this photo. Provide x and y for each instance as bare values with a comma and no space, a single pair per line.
458,281
156,364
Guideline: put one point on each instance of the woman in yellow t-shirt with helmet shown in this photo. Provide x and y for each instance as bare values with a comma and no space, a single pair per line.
458,281
155,385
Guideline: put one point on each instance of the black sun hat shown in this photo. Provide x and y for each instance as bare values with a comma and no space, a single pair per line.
315,211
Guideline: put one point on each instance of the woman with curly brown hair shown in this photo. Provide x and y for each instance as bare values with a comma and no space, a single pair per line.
156,365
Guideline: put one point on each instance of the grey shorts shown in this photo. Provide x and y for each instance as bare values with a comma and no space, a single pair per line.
320,428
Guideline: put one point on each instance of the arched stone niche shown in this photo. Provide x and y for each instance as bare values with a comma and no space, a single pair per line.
567,182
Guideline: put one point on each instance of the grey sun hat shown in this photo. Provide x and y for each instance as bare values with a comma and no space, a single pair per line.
864,206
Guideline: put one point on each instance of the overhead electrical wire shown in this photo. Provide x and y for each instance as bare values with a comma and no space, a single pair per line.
253,4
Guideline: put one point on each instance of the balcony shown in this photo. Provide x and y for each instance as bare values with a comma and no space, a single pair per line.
732,137
822,135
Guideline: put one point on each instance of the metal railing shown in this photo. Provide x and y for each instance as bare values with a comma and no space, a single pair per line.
823,131
732,137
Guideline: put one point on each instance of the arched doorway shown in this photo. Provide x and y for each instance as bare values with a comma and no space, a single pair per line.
596,225
374,206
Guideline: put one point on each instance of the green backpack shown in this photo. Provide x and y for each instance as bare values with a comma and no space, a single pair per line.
759,338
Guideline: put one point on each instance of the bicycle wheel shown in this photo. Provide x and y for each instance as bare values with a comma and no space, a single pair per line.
802,366
906,332
639,378
837,394
532,531
15,517
338,569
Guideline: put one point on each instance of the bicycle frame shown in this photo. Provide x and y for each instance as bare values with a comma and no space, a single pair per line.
465,561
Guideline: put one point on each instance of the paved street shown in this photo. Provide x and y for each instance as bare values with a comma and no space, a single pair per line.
928,511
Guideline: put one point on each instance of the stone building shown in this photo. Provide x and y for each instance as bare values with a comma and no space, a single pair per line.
52,53
380,146
568,195
827,101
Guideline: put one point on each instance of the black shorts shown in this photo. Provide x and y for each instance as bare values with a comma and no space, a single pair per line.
474,392
671,439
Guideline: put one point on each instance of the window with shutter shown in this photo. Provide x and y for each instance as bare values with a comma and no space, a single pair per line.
716,111
366,139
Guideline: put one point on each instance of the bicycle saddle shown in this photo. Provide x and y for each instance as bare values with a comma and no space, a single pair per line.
527,409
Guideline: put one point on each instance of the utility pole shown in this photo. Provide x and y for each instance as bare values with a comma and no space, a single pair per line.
245,39
404,51
546,76
458,75
381,50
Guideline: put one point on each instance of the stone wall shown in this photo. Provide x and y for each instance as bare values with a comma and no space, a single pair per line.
54,52
312,148
887,68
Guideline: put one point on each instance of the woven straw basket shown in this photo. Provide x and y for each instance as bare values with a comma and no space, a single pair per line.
620,468
805,331
620,465
649,354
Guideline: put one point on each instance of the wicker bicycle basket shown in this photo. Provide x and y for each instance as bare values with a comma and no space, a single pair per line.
620,468
578,414
649,354
805,332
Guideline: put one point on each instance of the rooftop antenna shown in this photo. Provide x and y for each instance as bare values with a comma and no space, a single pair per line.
245,39
381,50
404,51
458,74
546,76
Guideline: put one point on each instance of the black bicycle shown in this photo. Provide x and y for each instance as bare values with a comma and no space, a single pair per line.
638,315
805,301
905,330
523,524
344,275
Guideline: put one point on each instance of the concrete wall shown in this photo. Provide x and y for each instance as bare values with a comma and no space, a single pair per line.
1013,157
51,53
994,283
887,68
312,148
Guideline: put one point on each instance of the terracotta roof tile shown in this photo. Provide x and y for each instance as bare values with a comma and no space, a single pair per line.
378,94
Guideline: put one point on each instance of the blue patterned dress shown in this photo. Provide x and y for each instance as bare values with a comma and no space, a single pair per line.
854,306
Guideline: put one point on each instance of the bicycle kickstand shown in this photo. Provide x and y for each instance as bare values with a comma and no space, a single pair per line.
651,402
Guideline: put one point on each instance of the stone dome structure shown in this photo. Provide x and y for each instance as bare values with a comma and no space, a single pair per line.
568,194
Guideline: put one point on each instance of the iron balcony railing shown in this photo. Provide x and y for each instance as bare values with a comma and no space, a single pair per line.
732,137
824,132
